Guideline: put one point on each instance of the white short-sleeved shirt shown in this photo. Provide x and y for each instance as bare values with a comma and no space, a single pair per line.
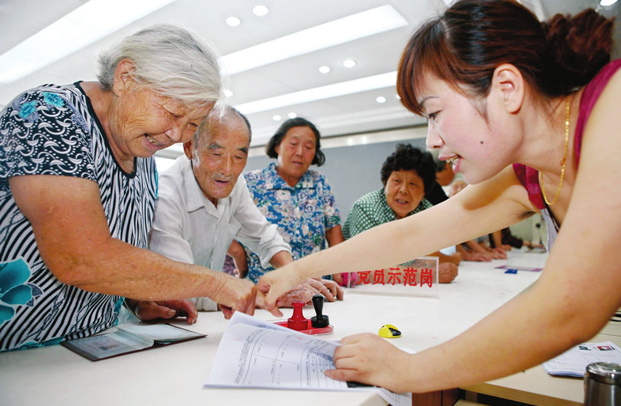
188,227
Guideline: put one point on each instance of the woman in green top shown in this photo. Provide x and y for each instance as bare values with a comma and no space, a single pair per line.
406,174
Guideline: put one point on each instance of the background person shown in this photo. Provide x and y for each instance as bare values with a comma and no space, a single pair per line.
406,174
444,176
204,203
78,188
292,196
499,87
477,249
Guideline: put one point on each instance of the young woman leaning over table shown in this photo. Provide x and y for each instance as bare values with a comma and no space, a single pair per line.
526,111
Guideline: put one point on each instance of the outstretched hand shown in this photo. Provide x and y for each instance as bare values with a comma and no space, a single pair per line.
447,272
476,256
165,309
498,253
304,292
276,283
369,359
235,295
329,289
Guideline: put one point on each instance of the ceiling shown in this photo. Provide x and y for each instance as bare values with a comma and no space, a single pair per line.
335,116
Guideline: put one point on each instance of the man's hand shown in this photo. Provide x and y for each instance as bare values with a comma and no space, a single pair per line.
235,295
330,289
369,359
447,272
166,309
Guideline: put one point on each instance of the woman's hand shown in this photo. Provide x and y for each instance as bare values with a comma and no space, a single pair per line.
235,295
165,309
276,283
304,292
338,278
369,359
476,256
498,253
447,272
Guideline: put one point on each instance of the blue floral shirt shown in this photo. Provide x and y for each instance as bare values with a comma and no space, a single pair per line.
302,213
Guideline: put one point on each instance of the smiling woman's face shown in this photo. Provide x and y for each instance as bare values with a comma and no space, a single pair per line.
296,152
477,146
404,191
143,122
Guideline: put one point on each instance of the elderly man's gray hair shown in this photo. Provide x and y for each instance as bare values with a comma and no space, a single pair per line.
171,60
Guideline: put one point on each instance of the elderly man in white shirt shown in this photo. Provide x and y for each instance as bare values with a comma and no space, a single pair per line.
204,204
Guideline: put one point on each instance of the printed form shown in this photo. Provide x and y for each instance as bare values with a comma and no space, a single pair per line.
255,354
574,362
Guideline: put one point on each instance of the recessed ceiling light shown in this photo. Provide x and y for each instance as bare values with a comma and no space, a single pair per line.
277,117
320,93
381,99
85,25
260,11
348,63
233,21
356,26
324,69
607,2
292,115
228,93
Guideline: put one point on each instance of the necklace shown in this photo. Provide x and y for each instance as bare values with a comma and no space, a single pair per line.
563,161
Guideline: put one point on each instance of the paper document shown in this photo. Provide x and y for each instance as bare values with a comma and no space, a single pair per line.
574,362
255,354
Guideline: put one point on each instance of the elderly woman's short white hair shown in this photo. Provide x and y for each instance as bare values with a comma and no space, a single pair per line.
169,59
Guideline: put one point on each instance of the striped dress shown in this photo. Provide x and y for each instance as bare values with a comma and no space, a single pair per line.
53,130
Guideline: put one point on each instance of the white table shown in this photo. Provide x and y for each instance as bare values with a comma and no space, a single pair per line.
534,386
175,375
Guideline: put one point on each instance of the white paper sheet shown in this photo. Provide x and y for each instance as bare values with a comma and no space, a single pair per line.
256,354
574,362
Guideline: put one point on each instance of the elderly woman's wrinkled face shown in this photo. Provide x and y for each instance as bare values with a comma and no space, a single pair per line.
404,191
143,122
296,151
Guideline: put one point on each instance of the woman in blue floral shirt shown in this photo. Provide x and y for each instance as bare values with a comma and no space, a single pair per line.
293,197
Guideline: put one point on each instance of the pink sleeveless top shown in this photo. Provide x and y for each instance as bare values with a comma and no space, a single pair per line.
529,177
